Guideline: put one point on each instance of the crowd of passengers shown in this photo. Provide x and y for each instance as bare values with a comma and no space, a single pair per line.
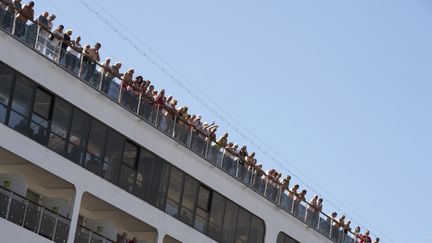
83,60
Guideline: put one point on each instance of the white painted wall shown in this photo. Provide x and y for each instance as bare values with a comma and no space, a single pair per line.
58,81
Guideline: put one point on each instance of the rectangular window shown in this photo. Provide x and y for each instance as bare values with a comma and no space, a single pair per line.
113,155
95,147
159,183
78,135
216,216
41,116
128,167
22,106
6,83
144,174
243,223
256,232
230,222
202,210
174,192
60,125
190,191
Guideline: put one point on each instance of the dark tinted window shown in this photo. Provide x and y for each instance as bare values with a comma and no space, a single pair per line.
230,222
216,216
243,223
41,116
95,146
284,238
113,155
202,209
22,106
190,192
60,125
78,135
174,191
160,183
256,232
144,174
6,82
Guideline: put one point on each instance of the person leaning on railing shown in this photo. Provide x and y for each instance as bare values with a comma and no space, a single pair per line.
22,17
89,60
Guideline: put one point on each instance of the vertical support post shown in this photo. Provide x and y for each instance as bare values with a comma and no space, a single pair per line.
40,219
55,226
207,147
25,213
81,70
76,204
8,205
139,104
174,126
222,157
120,93
189,141
157,116
14,22
59,52
102,75
90,236
37,37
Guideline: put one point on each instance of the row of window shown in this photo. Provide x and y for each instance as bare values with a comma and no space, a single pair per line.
284,238
65,129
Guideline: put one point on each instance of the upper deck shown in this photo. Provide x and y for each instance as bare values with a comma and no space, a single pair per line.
162,133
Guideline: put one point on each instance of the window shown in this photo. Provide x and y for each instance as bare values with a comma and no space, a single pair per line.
21,106
190,192
174,191
202,210
216,216
144,175
128,167
78,135
230,222
112,158
6,83
60,125
256,232
284,238
41,116
243,223
95,147
159,183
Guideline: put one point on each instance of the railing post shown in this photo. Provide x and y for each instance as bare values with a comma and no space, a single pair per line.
174,126
55,226
222,157
59,51
25,213
207,147
279,196
237,167
8,205
102,74
80,73
90,235
120,94
40,219
139,104
157,116
14,23
37,38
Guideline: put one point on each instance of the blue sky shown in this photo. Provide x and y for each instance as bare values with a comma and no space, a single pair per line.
340,90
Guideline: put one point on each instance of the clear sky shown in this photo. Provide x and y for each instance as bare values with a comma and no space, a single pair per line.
339,91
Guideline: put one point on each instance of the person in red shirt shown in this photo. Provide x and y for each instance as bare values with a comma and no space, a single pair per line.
365,238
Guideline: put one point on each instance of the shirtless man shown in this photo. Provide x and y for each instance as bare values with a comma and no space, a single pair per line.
92,58
26,13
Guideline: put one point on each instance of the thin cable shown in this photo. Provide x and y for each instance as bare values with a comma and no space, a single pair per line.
161,68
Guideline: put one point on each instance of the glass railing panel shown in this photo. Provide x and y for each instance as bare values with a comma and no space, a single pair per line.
272,191
4,202
229,164
182,132
165,122
82,235
312,218
244,174
198,143
299,210
348,237
62,230
146,111
16,210
31,32
286,202
129,99
6,19
336,233
258,183
215,154
48,223
33,216
324,226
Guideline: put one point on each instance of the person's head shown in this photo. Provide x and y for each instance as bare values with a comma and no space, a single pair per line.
52,17
86,46
320,200
169,98
357,229
377,240
230,145
334,214
315,197
60,27
118,65
348,223
131,70
235,146
124,235
31,4
252,155
97,46
260,166
139,79
367,233
304,192
162,92
77,40
296,186
225,135
151,88
69,32
343,217
45,14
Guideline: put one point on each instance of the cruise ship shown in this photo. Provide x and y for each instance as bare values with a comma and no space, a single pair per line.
82,161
